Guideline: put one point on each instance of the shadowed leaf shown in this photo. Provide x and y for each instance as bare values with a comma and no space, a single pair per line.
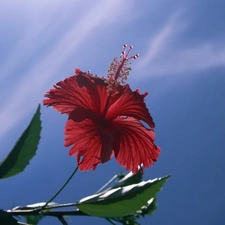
6,219
24,149
149,208
33,219
121,201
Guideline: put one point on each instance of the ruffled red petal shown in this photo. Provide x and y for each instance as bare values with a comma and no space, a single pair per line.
96,133
133,144
90,141
130,103
80,90
103,92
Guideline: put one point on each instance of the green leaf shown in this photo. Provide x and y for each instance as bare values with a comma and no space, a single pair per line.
7,219
131,219
24,149
33,219
121,201
149,208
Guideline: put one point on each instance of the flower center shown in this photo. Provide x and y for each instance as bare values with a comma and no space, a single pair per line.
104,123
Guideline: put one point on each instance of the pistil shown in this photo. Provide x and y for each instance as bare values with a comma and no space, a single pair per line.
117,74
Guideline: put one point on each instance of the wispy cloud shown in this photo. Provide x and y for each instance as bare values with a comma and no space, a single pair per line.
42,53
190,60
164,57
24,95
158,44
31,39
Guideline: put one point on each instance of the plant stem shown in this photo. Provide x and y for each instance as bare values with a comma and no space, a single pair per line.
47,213
62,220
71,176
108,183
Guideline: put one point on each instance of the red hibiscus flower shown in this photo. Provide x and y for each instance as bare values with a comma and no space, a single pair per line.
104,118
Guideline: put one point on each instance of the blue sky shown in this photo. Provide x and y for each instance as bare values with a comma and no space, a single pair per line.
181,65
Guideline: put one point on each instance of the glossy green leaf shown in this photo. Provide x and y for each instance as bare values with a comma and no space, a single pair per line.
24,149
121,201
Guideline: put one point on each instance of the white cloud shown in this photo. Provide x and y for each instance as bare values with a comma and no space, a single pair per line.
164,57
24,95
38,22
190,60
158,44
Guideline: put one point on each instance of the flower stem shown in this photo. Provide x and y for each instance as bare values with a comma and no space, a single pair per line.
71,176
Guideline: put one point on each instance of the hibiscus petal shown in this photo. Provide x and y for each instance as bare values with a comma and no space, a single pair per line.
133,144
80,90
130,104
103,91
91,144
